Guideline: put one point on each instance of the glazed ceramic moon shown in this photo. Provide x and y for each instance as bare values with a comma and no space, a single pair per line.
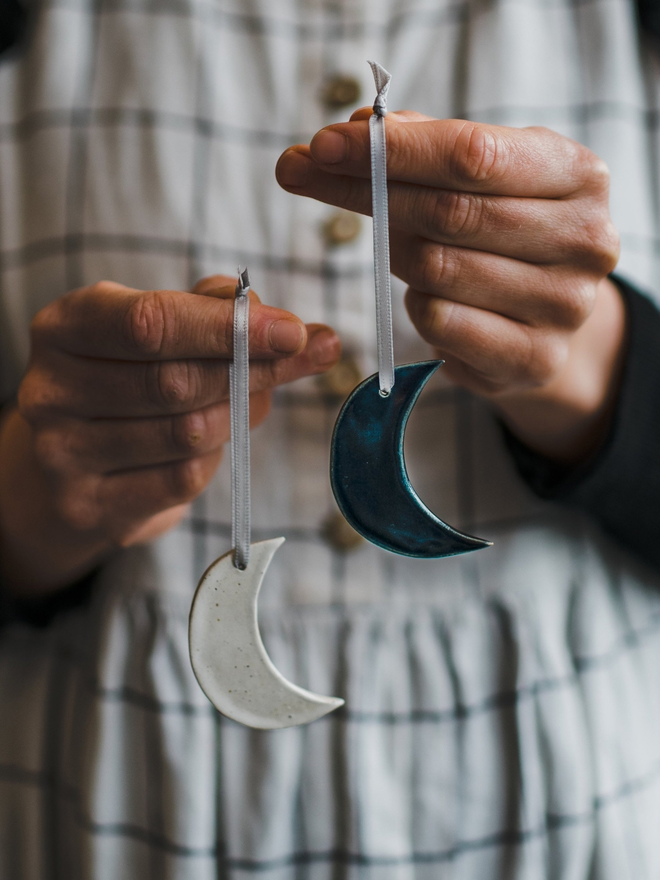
228,656
368,471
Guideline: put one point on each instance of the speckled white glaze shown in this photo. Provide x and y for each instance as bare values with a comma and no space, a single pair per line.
229,657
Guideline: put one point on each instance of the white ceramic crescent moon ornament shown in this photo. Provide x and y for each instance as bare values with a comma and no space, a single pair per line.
228,656
226,651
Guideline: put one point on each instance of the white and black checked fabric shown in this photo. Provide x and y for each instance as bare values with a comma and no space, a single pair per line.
502,709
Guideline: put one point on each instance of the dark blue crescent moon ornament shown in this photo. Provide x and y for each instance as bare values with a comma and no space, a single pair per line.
368,471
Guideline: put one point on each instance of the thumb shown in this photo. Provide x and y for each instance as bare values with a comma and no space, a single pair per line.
220,286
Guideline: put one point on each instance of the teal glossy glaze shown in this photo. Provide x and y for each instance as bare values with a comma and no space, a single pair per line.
368,471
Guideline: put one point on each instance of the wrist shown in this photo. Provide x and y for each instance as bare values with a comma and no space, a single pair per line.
39,552
567,419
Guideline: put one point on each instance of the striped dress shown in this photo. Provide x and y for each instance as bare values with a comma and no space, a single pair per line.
502,712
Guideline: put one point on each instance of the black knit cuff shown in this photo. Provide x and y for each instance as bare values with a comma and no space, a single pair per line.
620,484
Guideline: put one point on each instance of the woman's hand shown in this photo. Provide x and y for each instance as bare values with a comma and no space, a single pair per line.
505,239
122,416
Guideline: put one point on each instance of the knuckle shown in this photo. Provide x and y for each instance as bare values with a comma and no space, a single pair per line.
477,155
171,384
188,432
432,317
27,402
597,172
565,301
44,322
98,288
272,373
188,478
51,450
438,328
437,268
588,170
577,304
77,507
37,399
600,245
146,322
546,355
457,213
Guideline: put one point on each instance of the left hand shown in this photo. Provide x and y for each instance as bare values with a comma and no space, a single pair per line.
505,240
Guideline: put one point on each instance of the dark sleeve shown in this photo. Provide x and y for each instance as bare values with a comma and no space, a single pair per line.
40,612
620,485
13,23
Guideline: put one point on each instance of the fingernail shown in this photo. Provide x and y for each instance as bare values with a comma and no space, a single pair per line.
324,347
292,168
329,147
285,336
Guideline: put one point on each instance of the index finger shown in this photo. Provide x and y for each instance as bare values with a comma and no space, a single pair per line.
470,156
108,320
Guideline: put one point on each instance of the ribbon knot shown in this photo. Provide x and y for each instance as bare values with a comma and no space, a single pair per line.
380,105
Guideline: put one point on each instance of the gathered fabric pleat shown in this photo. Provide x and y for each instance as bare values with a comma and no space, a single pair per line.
507,735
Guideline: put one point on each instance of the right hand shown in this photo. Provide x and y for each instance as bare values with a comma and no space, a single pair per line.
122,416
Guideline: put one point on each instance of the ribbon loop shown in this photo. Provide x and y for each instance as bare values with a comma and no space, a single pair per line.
379,205
239,406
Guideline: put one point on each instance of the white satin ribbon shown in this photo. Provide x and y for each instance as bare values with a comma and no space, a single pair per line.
239,406
378,145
